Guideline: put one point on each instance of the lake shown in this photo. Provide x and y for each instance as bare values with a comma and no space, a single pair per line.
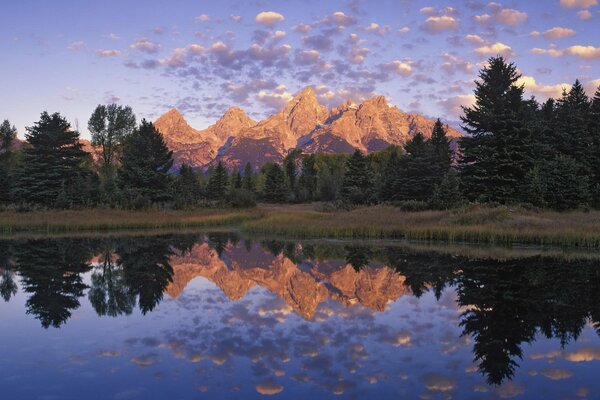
220,315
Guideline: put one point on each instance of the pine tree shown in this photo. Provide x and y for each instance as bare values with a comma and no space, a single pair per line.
498,152
447,194
8,135
419,171
290,166
186,187
52,163
390,188
442,152
594,159
275,187
218,182
235,181
357,185
145,164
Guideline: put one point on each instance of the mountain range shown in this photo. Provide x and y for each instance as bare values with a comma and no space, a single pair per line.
303,123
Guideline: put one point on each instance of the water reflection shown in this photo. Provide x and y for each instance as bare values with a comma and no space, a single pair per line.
504,303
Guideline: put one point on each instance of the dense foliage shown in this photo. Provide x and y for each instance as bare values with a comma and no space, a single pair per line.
515,151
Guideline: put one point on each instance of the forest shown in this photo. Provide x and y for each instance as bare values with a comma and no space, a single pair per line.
515,151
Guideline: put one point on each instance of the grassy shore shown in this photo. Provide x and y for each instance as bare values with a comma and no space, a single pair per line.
475,224
113,220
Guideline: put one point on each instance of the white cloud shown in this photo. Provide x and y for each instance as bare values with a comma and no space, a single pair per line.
402,68
439,24
482,19
540,90
578,3
269,18
108,53
203,18
584,15
145,45
558,32
584,52
494,49
340,19
475,39
509,16
404,29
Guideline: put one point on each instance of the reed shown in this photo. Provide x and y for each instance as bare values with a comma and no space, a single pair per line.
475,224
111,220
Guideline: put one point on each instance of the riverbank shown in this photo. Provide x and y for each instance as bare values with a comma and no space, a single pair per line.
475,224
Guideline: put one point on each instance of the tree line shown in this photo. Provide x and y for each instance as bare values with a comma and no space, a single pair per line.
516,151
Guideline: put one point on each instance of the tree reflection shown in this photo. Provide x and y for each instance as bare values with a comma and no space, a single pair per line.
508,302
50,271
358,256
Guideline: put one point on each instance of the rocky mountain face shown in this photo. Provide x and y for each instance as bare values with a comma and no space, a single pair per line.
303,123
237,270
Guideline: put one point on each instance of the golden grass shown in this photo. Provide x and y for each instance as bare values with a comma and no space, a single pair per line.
12,223
477,224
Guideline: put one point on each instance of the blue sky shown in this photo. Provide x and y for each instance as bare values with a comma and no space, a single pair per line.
205,56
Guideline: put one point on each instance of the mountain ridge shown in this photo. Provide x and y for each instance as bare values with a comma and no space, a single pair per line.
303,123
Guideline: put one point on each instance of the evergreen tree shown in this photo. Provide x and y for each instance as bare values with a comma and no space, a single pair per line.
109,125
53,164
235,179
442,152
572,137
290,166
357,186
186,187
498,152
565,187
419,171
308,178
275,187
145,164
218,182
447,194
390,185
248,178
8,135
594,159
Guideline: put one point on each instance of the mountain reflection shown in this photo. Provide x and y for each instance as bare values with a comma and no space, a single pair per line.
504,303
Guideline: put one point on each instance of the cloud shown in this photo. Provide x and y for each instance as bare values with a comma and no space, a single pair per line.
279,35
584,15
236,18
113,36
584,355
558,32
76,46
320,42
440,24
438,383
452,105
592,86
145,45
274,99
476,39
402,68
340,19
550,52
494,49
510,390
427,10
584,52
379,30
307,57
108,53
303,28
556,374
453,64
578,3
203,18
540,90
509,16
404,29
269,18
269,387
482,19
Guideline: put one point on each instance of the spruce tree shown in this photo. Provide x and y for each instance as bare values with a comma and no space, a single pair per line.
357,185
218,182
419,171
145,165
275,187
390,185
447,194
235,181
498,152
594,158
186,187
52,164
442,152
8,135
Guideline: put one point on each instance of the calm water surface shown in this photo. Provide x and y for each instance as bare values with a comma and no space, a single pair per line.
221,316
